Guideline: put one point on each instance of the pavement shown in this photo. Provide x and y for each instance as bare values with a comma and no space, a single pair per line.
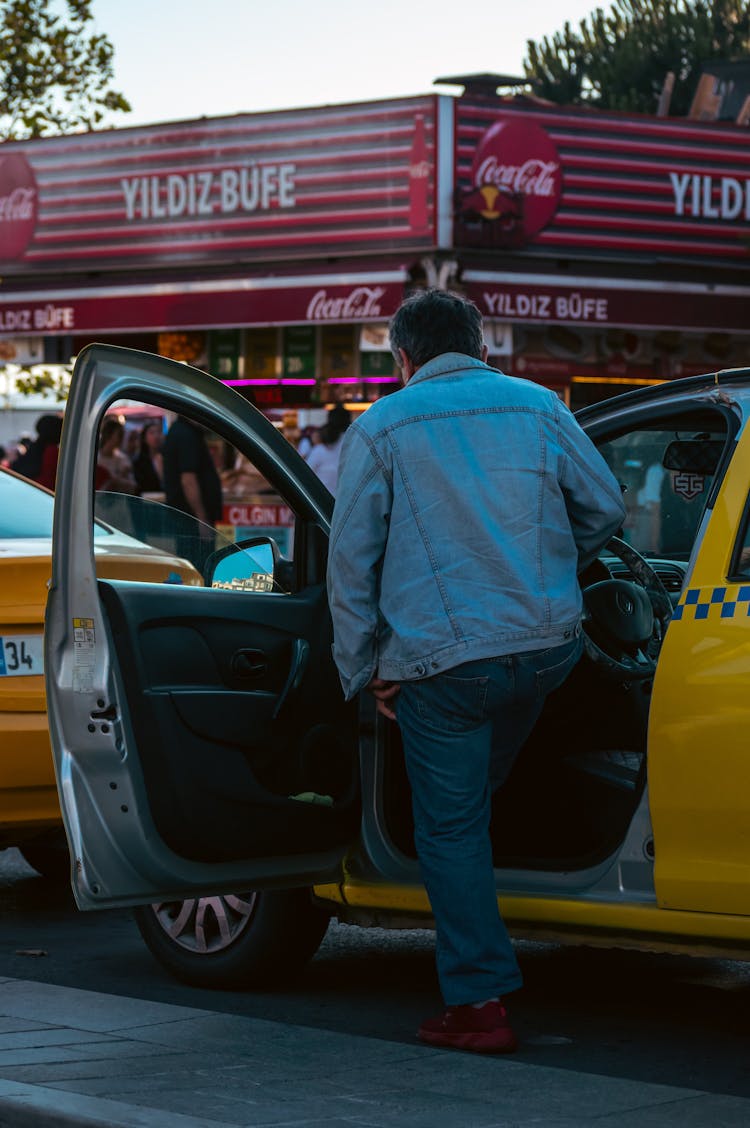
70,1056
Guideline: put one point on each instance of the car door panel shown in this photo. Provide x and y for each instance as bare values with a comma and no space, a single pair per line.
698,717
216,742
200,736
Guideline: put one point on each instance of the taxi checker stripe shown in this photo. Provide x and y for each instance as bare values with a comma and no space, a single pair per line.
697,602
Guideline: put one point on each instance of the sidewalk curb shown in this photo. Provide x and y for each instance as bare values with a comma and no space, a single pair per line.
34,1106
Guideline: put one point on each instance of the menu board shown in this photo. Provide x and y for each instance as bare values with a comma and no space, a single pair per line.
299,352
224,353
261,354
337,352
376,364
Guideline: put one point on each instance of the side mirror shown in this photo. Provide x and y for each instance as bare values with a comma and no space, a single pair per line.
248,565
694,456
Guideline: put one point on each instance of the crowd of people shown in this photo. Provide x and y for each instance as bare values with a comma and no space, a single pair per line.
132,460
127,462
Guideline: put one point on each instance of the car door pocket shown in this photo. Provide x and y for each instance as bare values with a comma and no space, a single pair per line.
248,664
229,718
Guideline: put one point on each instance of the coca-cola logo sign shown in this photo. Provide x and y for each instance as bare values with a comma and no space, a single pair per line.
18,203
361,302
518,159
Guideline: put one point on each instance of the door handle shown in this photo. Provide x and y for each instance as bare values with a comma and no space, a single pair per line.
248,664
300,655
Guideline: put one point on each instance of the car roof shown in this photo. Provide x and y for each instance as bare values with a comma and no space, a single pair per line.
738,379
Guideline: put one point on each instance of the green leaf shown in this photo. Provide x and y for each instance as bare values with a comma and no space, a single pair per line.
55,74
35,382
618,59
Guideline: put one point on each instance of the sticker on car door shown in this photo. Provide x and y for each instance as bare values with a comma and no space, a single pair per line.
85,649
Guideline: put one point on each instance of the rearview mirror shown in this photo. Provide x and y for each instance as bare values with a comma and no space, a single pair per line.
696,456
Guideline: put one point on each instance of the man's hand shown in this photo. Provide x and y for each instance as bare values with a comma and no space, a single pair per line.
384,691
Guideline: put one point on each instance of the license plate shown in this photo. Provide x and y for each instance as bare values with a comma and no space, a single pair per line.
21,655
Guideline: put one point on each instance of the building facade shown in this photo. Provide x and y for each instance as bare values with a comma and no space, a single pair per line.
604,250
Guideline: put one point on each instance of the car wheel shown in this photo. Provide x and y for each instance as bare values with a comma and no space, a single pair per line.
249,939
49,857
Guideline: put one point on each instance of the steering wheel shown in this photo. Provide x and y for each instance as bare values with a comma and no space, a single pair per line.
624,620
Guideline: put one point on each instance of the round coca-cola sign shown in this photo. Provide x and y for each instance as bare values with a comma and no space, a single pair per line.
18,196
519,158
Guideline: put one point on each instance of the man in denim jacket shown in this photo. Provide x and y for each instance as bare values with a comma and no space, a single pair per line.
467,504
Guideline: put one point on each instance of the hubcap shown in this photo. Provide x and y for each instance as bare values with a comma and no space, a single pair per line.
208,924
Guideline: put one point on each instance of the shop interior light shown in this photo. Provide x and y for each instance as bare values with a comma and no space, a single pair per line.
640,380
364,380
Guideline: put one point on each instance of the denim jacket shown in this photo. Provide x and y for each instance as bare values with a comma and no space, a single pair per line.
467,503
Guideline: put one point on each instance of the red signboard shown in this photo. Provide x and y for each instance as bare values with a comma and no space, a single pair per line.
18,204
260,186
601,183
604,302
318,299
246,514
518,158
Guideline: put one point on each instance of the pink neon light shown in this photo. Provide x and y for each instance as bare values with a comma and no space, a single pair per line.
244,383
364,380
301,383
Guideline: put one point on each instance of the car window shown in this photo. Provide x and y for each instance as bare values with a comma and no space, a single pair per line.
26,511
741,562
167,483
666,474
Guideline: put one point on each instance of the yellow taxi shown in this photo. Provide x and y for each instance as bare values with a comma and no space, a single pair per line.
210,771
29,809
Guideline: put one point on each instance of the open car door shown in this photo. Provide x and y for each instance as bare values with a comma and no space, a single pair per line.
699,777
200,737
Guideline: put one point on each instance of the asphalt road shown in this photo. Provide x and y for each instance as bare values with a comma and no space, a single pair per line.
656,1018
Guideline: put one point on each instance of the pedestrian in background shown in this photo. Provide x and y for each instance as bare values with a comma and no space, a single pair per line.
38,458
467,504
148,464
114,470
324,457
309,438
193,486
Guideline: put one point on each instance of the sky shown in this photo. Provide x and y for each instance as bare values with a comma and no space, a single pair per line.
177,59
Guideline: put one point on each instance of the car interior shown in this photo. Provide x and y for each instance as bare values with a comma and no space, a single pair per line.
243,735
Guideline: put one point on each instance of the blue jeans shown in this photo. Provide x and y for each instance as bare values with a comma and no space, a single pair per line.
462,731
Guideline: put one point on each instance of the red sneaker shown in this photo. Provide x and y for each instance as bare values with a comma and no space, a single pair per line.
485,1029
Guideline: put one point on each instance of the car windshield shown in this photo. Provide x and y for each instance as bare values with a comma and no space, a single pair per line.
26,511
666,473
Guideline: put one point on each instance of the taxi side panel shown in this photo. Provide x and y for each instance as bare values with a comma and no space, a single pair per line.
699,761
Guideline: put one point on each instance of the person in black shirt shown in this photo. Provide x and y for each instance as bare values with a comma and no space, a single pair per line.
192,485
